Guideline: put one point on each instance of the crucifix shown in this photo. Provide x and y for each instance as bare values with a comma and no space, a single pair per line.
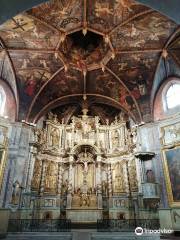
85,159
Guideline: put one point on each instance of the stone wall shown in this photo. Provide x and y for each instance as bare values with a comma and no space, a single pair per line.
19,136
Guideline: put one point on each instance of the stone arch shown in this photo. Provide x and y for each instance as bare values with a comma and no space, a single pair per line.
95,149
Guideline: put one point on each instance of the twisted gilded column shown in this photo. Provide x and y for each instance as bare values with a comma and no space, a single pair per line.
60,178
107,138
110,180
72,136
43,173
126,170
70,184
110,140
99,182
64,137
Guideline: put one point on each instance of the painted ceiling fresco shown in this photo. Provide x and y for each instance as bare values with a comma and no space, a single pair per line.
108,50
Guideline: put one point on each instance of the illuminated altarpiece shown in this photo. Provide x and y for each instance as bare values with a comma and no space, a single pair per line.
83,171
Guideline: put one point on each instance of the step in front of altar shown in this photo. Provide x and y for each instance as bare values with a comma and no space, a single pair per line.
83,215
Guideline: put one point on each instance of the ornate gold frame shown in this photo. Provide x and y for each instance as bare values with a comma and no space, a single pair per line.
171,201
3,148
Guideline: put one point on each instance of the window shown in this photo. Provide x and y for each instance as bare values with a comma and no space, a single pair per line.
2,100
173,96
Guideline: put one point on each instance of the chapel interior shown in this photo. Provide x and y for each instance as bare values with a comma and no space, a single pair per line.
89,119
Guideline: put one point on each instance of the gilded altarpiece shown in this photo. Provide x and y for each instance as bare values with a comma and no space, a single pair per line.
85,169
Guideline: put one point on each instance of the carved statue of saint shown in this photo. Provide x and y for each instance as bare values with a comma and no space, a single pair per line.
150,176
115,139
40,136
84,200
51,177
16,193
119,184
36,135
97,119
55,137
104,187
65,187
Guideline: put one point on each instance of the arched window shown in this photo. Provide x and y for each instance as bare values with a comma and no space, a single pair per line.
173,96
2,100
167,100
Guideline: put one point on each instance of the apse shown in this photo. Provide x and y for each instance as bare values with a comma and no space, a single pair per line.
89,122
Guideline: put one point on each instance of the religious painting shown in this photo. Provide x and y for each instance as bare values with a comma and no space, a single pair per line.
50,184
118,179
35,184
172,174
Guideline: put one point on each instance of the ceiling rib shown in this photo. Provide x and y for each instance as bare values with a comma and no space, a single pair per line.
139,51
85,17
50,104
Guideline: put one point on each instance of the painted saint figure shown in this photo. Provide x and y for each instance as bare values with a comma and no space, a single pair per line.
55,137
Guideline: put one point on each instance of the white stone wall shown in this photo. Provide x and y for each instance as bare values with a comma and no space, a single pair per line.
17,160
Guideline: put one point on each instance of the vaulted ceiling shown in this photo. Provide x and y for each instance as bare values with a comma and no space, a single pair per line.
116,52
